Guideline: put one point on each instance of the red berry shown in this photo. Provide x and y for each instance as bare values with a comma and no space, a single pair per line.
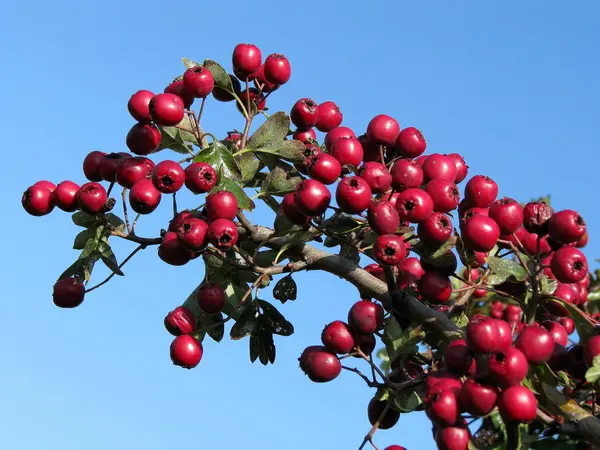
261,82
304,135
337,337
439,167
167,109
477,397
410,271
68,293
291,211
329,116
566,227
180,321
198,81
246,58
91,197
371,151
455,437
91,165
172,252
506,336
591,349
277,69
353,195
442,408
168,177
211,298
338,133
567,293
305,113
414,205
536,344
347,151
508,368
481,191
65,196
568,323
513,313
178,220
200,177
37,200
557,332
109,165
517,404
365,343
461,167
383,217
536,216
383,130
142,139
376,175
324,168
138,105
144,198
223,234
483,334
186,351
193,234
319,365
435,230
365,317
442,381
134,169
410,143
406,174
389,249
458,358
508,214
435,287
178,88
221,205
444,193
375,410
222,95
480,233
394,447
569,265
583,240
312,198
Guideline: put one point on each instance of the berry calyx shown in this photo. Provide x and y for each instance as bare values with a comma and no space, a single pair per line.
508,368
68,293
193,234
186,351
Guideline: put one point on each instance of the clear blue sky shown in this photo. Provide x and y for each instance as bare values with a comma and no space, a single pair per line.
511,86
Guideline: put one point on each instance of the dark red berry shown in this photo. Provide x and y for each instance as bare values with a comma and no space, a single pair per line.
566,227
477,397
410,143
479,233
178,88
347,151
180,321
445,195
167,109
442,408
508,368
383,217
376,409
324,168
312,198
223,234
68,293
410,271
365,317
91,165
330,117
456,437
414,205
481,191
198,81
200,177
37,200
338,133
583,240
134,169
394,447
435,287
458,358
371,151
261,82
246,58
291,211
142,139
193,234
376,175
337,337
172,252
389,249
568,293
406,174
365,343
138,105
304,136
536,216
508,214
65,196
517,404
483,334
221,205
591,349
435,230
439,167
569,265
320,365
186,351
211,298
91,197
305,113
568,323
168,177
383,130
277,69
557,331
144,198
353,195
461,167
109,165
536,344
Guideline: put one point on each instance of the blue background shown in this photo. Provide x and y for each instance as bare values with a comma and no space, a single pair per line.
512,86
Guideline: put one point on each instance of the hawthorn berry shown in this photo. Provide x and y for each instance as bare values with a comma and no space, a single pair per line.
198,81
394,447
371,151
211,298
304,136
45,184
324,168
134,169
517,404
223,234
442,380
536,344
365,317
246,58
193,234
178,88
376,409
383,217
319,364
168,177
200,177
312,198
410,143
291,211
389,249
167,109
506,335
347,151
304,113
410,271
536,216
591,349
383,130
138,105
458,358
142,139
186,351
455,437
221,205
477,397
557,331
435,287
439,167
338,133
414,205
91,197
461,167
261,82
37,200
442,408
483,334
338,338
144,198
406,174
353,195
435,229
481,191
109,165
251,95
180,321
65,196
172,252
479,233
277,69
68,293
566,227
445,195
508,215
569,265
365,343
329,117
376,175
507,368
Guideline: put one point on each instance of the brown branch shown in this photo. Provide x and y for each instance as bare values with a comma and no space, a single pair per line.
133,238
138,248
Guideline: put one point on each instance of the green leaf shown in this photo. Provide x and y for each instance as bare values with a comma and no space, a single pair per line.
222,80
298,239
271,132
249,166
226,184
188,63
285,289
115,221
82,219
280,180
409,400
212,324
460,320
382,394
585,328
220,158
246,323
109,258
291,150
503,269
274,321
82,238
593,373
283,226
398,341
177,139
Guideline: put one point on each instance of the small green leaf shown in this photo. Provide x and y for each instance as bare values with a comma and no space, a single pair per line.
220,158
116,222
177,139
398,341
109,258
82,219
249,165
188,63
593,373
503,269
280,180
222,80
285,289
245,324
212,324
409,399
272,132
291,150
82,238
226,184
274,321
460,320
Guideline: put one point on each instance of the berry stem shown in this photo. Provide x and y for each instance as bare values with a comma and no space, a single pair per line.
174,204
125,215
133,238
370,383
200,113
369,437
110,187
137,249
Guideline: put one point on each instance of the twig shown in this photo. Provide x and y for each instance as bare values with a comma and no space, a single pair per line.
373,430
138,248
373,365
174,204
110,188
125,215
133,238
135,222
363,376
201,111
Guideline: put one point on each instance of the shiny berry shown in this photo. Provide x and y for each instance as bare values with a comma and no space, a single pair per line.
376,175
211,298
246,58
483,334
569,265
406,174
109,165
200,177
376,409
383,130
383,217
458,358
291,211
221,205
439,167
389,249
65,196
37,200
445,195
277,69
304,136
477,397
338,338
347,151
68,293
186,351
329,117
435,229
312,198
144,198
442,408
168,177
365,317
481,191
319,364
91,165
178,88
134,169
508,214
338,133
517,404
180,321
91,197
198,81
172,252
508,368
138,105
461,167
223,234
353,195
435,287
305,113
167,109
480,233
142,139
414,205
324,168
410,143
536,344
566,227
193,234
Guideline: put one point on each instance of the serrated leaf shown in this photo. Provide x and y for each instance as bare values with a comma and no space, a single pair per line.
220,75
221,159
503,269
460,320
226,184
291,150
109,258
82,219
409,399
274,319
398,341
245,324
280,180
82,238
271,132
285,289
593,373
188,63
177,139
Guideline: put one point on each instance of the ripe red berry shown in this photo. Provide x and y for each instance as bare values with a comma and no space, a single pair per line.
383,217
337,337
312,197
347,151
338,133
375,410
456,437
167,109
461,167
442,380
439,167
481,191
569,265
458,358
142,139
168,177
371,151
583,240
134,169
376,175
508,214
178,220
568,323
506,335
305,113
410,271
435,287
557,332
329,117
508,368
444,193
435,230
517,404
193,234
221,95
365,317
91,197
410,143
414,205
65,196
223,234
536,344
324,168
186,351
68,293
198,81
144,198
383,130
221,205
442,408
353,195
479,233
211,298
291,211
319,365
477,397
172,252
536,216
91,165
261,82
138,105
483,334
567,293
406,174
394,447
37,200
512,313
389,249
591,349
246,58
180,321
566,227
277,69
200,177
178,88
109,165
304,135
